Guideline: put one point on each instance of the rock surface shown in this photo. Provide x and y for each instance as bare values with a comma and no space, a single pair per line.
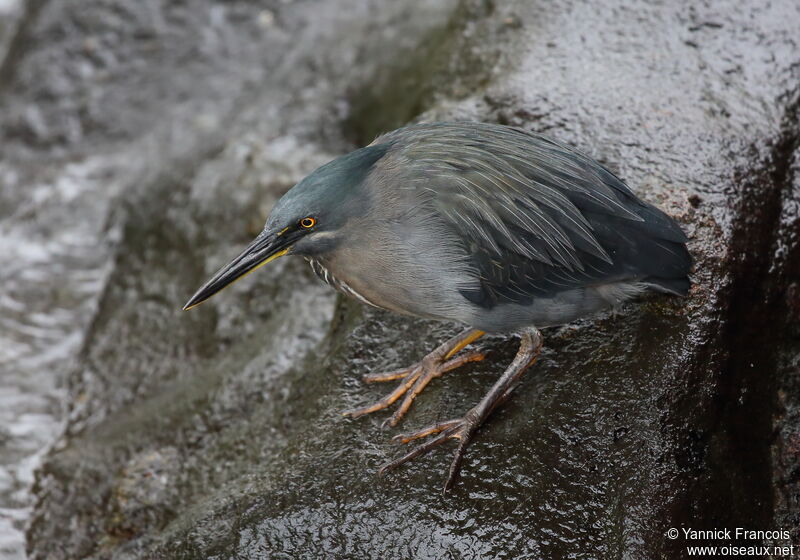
218,434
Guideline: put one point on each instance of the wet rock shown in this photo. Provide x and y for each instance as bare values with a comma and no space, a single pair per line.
144,493
218,433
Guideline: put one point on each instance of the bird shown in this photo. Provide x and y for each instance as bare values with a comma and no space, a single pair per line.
496,228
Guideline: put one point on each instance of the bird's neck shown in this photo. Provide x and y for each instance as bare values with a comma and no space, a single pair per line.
323,272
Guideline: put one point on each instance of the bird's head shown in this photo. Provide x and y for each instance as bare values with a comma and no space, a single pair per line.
308,220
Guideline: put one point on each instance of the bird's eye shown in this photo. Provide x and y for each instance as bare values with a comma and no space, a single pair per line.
308,222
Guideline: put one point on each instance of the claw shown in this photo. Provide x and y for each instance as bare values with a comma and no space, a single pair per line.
462,429
389,399
441,360
417,377
413,454
455,466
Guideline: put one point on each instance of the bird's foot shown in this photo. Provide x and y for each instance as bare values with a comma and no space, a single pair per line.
462,429
416,378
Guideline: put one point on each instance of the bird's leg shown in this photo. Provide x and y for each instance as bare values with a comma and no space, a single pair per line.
463,429
417,377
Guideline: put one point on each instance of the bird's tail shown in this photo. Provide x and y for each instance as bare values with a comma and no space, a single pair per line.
652,250
665,260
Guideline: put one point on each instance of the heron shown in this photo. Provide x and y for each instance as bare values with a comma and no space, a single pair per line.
496,228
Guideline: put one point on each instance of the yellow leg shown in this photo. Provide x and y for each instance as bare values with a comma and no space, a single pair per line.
473,336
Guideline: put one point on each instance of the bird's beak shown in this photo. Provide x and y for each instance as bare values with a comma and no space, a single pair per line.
264,248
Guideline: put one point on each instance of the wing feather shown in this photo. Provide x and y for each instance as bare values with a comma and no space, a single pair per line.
536,217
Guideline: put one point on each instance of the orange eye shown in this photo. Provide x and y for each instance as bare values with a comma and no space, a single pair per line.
308,223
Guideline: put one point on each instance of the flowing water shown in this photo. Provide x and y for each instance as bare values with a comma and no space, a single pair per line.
51,270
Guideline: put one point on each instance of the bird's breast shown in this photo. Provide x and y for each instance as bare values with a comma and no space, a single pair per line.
386,274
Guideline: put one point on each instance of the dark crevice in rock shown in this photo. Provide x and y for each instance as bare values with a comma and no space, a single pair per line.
732,486
783,290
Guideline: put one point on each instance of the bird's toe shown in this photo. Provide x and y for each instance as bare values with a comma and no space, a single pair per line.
389,375
462,429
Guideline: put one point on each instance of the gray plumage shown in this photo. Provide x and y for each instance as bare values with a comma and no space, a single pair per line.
482,224
490,226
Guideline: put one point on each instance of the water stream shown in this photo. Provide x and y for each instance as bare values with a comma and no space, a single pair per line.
51,270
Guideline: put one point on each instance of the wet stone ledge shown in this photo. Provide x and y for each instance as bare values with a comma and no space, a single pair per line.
219,434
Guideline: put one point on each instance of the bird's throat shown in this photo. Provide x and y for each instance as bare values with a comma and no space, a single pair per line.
326,276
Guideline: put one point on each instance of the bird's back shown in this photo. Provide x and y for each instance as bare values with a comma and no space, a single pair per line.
545,234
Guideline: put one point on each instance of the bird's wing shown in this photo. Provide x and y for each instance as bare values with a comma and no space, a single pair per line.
536,217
